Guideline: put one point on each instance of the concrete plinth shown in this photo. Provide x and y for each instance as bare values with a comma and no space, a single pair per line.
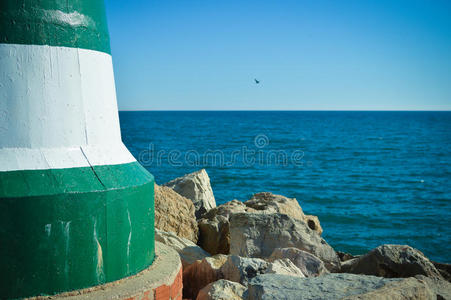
161,281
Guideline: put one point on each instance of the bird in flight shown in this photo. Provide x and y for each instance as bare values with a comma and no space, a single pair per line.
257,81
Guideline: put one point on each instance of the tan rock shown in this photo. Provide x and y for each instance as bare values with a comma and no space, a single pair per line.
222,290
214,234
284,266
442,288
200,273
175,213
271,203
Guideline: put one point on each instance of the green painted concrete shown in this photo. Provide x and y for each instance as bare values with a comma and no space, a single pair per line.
74,23
66,229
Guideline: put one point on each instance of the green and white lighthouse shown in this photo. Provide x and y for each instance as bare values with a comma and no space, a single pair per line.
76,208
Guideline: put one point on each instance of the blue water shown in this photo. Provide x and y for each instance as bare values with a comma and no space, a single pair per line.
370,177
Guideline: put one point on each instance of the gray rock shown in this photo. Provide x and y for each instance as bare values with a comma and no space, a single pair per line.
214,235
222,290
258,235
196,187
330,286
188,251
242,269
309,264
405,289
392,261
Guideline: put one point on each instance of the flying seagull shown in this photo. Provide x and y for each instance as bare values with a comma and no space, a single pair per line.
257,81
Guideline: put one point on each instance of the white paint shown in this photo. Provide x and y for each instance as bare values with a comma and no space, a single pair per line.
66,226
129,240
12,159
57,109
99,256
48,229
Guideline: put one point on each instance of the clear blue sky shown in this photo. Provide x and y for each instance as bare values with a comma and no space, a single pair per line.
309,55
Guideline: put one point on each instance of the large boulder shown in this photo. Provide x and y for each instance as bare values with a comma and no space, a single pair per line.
330,286
271,203
392,261
309,264
201,273
188,251
214,234
222,290
196,187
258,235
175,213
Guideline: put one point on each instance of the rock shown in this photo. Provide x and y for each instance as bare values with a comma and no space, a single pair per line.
242,269
406,289
174,213
441,288
222,290
214,234
188,251
345,256
258,235
329,286
196,187
444,269
201,273
284,266
309,264
392,261
270,203
313,223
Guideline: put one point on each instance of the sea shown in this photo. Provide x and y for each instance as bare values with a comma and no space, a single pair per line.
372,178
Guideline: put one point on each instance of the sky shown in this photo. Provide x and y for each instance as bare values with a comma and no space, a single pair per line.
308,55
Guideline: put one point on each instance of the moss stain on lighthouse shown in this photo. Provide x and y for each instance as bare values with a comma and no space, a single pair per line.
76,209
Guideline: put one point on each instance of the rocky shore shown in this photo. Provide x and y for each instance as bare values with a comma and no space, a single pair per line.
268,248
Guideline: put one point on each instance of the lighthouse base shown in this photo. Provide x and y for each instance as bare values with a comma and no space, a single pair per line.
161,281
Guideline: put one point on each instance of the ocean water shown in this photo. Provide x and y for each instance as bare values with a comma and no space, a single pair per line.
370,177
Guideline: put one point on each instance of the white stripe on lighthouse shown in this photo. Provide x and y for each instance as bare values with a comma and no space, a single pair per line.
64,105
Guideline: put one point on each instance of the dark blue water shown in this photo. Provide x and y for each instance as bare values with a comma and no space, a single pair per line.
370,177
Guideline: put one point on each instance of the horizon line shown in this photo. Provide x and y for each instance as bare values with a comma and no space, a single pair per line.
284,110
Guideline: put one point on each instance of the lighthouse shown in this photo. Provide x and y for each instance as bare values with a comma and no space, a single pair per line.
76,208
